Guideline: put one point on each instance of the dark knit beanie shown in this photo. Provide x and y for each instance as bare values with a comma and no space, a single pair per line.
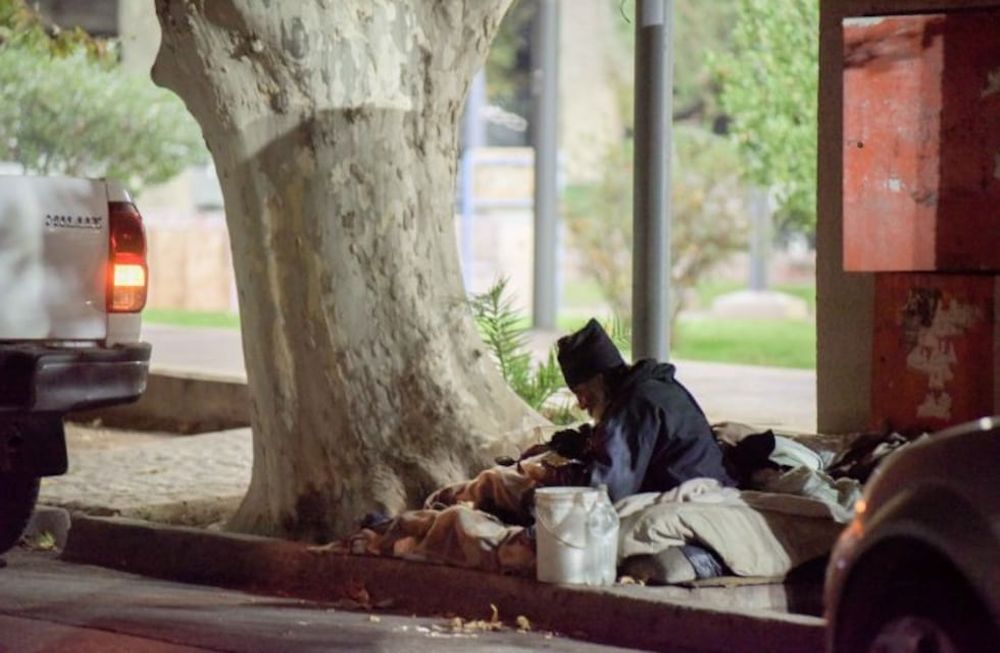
586,353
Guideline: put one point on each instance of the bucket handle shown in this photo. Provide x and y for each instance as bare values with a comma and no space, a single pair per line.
552,531
551,527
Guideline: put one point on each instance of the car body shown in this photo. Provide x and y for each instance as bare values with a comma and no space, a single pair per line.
73,280
918,569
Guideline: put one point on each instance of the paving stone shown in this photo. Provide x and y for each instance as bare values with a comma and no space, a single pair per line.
126,480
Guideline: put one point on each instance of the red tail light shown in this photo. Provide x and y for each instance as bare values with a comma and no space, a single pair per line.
127,271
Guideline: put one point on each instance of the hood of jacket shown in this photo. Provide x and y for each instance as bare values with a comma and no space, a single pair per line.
644,370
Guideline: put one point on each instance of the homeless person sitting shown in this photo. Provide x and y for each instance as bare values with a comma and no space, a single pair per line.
650,436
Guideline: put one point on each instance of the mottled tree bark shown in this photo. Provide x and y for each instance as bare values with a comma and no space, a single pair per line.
333,126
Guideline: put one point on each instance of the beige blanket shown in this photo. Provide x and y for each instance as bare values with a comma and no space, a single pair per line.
755,533
457,535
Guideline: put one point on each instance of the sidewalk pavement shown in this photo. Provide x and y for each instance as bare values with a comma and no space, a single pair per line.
164,480
768,397
198,480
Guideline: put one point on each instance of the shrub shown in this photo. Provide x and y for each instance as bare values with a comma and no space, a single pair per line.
708,216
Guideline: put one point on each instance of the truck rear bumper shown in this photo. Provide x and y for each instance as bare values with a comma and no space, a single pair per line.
41,379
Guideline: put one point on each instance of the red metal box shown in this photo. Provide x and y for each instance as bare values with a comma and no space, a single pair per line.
922,142
936,349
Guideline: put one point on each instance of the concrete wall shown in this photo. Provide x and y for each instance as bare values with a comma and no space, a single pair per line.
845,300
190,264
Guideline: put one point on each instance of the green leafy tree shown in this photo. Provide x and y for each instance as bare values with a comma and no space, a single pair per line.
708,216
699,28
22,28
769,89
508,68
66,107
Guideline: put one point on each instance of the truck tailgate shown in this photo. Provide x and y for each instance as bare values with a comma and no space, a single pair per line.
53,258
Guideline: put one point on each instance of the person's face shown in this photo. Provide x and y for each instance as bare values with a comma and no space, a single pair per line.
592,395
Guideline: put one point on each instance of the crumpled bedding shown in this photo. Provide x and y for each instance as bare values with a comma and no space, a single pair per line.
457,535
755,533
478,524
789,514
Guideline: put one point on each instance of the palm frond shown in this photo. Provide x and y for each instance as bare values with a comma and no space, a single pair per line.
504,331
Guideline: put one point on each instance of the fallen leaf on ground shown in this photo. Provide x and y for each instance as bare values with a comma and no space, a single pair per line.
358,592
43,541
459,625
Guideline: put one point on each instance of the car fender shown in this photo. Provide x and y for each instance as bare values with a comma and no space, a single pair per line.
930,515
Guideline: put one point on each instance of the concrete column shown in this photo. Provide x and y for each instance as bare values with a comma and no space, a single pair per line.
844,308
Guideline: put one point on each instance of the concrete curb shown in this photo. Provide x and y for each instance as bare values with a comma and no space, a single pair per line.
273,566
181,401
49,520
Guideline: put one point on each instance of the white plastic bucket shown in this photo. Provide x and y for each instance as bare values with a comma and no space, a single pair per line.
577,536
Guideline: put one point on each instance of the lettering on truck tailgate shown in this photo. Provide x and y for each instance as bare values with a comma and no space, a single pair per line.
53,258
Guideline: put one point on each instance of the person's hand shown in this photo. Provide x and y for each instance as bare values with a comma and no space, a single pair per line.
571,443
534,450
566,475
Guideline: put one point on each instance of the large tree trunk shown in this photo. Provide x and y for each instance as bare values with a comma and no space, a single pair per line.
333,125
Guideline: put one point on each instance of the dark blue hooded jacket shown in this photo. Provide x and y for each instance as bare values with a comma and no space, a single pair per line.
653,436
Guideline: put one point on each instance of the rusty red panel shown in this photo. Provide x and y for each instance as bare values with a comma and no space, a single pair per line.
922,142
933,350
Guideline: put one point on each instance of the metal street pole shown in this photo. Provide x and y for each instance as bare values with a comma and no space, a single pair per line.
654,71
545,130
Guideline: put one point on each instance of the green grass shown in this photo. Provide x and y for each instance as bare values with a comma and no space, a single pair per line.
774,343
582,292
777,343
708,291
182,318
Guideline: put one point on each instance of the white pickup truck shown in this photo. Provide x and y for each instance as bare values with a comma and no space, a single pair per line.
73,281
